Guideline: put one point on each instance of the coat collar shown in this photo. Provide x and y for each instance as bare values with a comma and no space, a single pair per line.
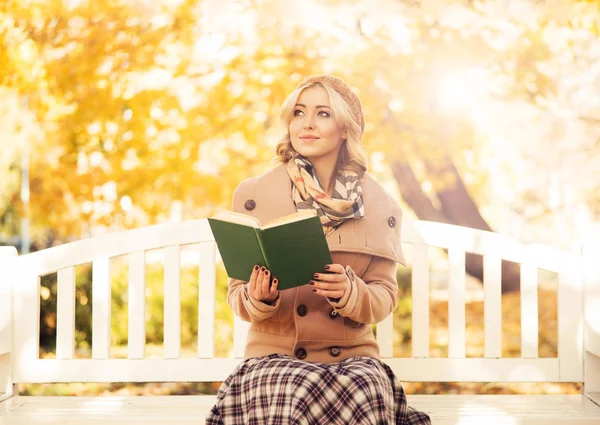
269,196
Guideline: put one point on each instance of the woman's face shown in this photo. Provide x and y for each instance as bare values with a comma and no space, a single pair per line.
314,133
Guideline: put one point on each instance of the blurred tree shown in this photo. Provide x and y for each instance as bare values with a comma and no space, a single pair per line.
155,112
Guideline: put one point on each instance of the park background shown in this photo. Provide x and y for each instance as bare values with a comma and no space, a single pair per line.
122,114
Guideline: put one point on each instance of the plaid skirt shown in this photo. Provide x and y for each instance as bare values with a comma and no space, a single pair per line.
280,390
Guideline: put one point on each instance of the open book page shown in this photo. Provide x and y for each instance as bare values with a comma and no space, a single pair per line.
233,217
290,218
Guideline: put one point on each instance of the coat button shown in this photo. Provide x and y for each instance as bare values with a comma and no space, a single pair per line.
301,353
334,351
250,205
302,310
333,314
392,221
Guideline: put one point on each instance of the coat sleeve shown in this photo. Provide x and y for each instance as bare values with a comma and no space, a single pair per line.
373,297
242,304
247,308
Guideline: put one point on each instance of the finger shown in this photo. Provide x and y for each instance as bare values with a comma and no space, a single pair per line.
252,281
255,271
328,286
330,294
259,281
274,285
335,268
266,283
334,277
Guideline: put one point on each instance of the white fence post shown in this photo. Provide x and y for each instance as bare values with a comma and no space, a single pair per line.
591,308
7,388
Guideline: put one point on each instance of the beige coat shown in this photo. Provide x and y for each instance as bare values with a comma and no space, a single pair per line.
309,326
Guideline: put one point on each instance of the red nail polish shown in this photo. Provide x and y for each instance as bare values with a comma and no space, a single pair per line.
326,267
316,276
311,283
314,290
255,267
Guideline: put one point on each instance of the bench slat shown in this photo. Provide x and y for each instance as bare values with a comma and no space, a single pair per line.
240,335
529,311
172,302
420,300
492,311
137,305
7,278
207,370
101,300
385,336
207,300
192,410
570,325
65,314
116,244
456,304
480,242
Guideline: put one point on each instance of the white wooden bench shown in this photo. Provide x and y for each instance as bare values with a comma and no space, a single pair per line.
578,331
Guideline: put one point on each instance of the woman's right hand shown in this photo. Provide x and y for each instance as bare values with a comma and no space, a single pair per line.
259,285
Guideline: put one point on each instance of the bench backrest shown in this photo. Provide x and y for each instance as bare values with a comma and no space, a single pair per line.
24,274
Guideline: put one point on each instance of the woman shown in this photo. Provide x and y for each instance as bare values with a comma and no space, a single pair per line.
311,357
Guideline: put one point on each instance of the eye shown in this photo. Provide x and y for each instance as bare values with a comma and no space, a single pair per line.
297,112
323,114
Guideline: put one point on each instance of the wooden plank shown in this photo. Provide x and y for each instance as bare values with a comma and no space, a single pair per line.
492,306
101,300
128,370
26,308
529,311
240,335
137,305
6,277
570,320
456,304
474,370
420,301
591,301
65,312
7,255
172,302
209,370
207,300
480,242
196,231
119,243
443,409
385,336
591,297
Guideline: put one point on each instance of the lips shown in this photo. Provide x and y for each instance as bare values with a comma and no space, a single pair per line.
306,137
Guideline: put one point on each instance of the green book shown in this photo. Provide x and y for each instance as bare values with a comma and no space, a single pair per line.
292,247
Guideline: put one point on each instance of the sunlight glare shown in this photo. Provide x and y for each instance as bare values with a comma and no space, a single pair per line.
460,90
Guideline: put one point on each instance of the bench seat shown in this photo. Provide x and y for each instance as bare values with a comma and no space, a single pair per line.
444,410
577,358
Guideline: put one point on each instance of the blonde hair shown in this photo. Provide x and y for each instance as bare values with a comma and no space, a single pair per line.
352,156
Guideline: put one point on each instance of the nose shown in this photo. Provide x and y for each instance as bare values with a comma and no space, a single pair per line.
309,122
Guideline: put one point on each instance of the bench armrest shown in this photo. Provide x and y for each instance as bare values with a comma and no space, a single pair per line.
6,319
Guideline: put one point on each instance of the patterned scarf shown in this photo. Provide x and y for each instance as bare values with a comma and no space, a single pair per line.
307,193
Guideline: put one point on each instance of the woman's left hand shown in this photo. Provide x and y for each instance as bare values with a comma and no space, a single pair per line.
332,284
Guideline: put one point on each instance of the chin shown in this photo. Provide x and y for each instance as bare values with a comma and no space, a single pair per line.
307,151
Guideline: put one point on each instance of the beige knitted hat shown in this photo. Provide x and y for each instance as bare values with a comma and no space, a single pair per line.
344,90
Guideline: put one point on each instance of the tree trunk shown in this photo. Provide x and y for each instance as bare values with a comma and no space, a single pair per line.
457,207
